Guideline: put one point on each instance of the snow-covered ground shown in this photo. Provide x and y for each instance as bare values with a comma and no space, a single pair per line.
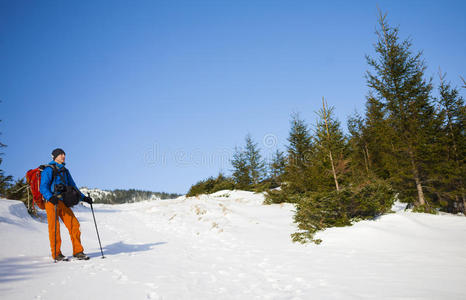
229,246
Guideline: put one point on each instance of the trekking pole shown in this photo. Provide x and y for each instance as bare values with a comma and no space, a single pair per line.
56,218
29,206
95,223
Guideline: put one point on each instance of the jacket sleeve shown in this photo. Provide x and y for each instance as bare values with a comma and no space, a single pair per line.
71,181
46,183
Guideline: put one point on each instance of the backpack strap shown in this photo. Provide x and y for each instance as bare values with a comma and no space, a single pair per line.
61,173
55,172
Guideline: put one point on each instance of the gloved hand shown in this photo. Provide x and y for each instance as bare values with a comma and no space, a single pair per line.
88,199
53,200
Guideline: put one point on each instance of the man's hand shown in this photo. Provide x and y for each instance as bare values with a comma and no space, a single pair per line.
53,200
88,199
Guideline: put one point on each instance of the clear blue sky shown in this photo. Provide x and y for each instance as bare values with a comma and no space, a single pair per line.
156,94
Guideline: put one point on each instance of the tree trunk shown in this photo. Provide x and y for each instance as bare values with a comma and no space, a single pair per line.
333,170
366,164
368,157
464,205
330,151
417,180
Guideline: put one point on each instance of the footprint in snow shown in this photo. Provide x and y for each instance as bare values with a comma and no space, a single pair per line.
152,295
119,275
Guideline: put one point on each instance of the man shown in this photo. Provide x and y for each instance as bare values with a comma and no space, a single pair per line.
55,184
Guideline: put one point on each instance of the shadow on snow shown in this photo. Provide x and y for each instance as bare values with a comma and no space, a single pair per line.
19,268
121,247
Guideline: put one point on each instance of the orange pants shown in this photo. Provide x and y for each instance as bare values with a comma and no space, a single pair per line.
70,221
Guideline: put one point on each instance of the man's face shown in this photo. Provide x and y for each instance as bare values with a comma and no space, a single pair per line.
60,158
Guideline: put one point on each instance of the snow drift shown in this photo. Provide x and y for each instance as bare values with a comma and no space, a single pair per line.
228,245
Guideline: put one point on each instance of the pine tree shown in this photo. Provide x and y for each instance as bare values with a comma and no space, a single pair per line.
18,191
241,174
358,148
378,137
370,142
297,175
450,167
398,83
330,154
211,185
454,111
297,178
277,167
248,165
254,160
5,181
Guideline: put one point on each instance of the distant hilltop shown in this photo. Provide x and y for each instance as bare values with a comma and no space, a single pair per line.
119,196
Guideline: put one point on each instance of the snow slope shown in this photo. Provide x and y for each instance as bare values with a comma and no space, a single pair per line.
229,246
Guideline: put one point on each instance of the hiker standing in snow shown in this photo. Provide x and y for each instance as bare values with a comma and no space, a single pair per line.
60,192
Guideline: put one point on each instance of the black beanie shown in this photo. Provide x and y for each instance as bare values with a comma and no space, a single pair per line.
57,152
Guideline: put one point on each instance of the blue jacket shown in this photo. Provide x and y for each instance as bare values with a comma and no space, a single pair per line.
47,187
